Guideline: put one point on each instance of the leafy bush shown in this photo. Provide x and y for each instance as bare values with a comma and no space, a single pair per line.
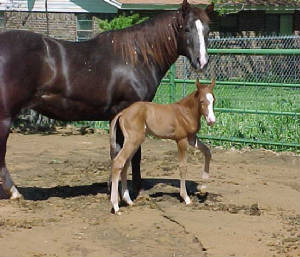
120,22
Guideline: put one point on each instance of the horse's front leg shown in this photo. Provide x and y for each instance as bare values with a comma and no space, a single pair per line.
5,179
195,142
182,147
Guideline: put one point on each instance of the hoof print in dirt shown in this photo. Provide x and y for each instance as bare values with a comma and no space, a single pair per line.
254,210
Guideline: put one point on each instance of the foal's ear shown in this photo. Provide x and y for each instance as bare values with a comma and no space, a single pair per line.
185,6
213,83
198,85
210,9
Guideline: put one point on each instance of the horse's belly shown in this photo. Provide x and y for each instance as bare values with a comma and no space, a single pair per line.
61,108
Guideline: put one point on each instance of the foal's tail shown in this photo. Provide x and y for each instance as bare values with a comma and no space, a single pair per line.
112,134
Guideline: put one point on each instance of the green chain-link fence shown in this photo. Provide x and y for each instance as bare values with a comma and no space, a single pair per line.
257,92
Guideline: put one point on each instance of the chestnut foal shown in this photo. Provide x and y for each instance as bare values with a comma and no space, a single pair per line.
179,121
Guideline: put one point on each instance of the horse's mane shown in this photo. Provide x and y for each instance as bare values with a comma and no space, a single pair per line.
153,39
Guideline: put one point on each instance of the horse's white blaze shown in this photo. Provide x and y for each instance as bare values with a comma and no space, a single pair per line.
210,118
203,56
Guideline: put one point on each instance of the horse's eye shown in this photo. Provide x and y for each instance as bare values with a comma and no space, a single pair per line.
186,30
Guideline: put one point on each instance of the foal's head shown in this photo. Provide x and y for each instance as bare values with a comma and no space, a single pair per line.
194,34
206,99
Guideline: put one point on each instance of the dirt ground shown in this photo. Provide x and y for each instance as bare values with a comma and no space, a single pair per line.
252,207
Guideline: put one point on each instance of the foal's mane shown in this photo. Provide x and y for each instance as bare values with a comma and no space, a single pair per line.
153,39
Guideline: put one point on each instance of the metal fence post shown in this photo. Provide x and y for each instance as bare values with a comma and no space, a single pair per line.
172,85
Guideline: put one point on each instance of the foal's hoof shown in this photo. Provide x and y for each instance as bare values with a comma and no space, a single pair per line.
203,189
118,213
187,201
15,194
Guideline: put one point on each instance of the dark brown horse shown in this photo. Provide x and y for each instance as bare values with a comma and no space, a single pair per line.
96,79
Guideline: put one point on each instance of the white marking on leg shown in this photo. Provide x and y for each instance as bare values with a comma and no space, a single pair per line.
203,189
187,200
205,175
14,193
8,184
203,54
183,192
125,192
126,197
114,193
210,118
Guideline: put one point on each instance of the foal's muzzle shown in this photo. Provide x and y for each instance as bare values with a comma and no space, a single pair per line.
210,120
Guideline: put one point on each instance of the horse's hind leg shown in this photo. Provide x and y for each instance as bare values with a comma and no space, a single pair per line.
136,172
5,179
182,147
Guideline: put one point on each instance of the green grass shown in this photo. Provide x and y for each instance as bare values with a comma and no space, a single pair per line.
248,127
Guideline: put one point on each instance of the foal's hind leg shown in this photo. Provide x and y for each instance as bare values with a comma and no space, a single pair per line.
125,191
118,165
5,178
135,163
195,142
182,147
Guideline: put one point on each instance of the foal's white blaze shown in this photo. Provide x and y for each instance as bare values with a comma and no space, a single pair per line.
203,55
210,118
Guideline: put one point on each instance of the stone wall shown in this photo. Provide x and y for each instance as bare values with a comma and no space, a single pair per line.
60,25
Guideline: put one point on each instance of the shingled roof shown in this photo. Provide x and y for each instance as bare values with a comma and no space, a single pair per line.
227,4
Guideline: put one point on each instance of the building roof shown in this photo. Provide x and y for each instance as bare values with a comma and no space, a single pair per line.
163,2
219,4
258,4
153,4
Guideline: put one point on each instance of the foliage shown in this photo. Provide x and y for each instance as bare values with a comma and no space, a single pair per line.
120,22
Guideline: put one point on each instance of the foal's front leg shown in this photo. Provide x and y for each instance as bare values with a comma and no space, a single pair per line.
182,147
195,142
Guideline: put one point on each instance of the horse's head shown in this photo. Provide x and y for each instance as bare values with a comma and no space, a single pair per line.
207,99
194,34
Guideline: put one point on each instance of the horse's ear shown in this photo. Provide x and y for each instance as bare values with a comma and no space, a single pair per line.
213,83
198,84
209,10
185,7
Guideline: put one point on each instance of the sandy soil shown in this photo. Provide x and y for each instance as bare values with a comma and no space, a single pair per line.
252,207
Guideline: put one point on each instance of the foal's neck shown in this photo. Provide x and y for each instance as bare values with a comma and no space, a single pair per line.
191,103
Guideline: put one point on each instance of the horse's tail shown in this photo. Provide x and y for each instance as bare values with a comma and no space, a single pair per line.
112,134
